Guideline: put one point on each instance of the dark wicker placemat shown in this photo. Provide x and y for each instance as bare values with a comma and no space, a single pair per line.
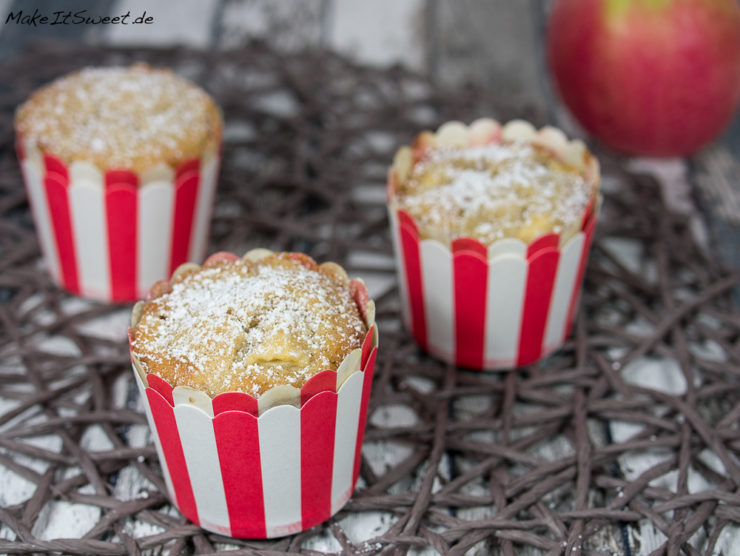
456,461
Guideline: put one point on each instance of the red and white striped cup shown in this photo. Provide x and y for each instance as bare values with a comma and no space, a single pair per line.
267,467
490,307
108,235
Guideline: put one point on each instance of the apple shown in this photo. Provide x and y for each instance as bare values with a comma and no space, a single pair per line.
648,77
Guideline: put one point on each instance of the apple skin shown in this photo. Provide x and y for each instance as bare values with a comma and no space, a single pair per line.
648,77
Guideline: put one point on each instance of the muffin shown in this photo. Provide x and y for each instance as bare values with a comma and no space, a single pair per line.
120,166
256,374
491,228
249,325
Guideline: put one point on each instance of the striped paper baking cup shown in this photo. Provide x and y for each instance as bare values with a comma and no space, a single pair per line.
491,307
266,467
108,235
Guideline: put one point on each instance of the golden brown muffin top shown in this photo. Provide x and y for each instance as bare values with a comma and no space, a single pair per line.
133,117
512,189
246,326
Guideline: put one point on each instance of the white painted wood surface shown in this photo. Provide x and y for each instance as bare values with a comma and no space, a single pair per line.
487,42
381,32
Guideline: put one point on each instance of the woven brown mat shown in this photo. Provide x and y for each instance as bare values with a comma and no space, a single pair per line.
632,427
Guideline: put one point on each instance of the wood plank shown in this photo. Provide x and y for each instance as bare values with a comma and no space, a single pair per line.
286,25
383,32
493,43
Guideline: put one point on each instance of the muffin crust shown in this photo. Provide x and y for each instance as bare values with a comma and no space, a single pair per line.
247,326
512,189
133,118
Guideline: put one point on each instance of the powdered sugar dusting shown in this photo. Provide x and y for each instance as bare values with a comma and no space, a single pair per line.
245,326
489,192
121,118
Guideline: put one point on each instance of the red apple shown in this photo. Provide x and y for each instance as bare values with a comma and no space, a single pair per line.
648,77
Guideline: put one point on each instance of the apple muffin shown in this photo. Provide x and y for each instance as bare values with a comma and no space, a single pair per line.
509,189
120,117
121,166
247,325
510,211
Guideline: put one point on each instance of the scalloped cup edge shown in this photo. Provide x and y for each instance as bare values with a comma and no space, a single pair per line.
487,131
85,171
505,247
